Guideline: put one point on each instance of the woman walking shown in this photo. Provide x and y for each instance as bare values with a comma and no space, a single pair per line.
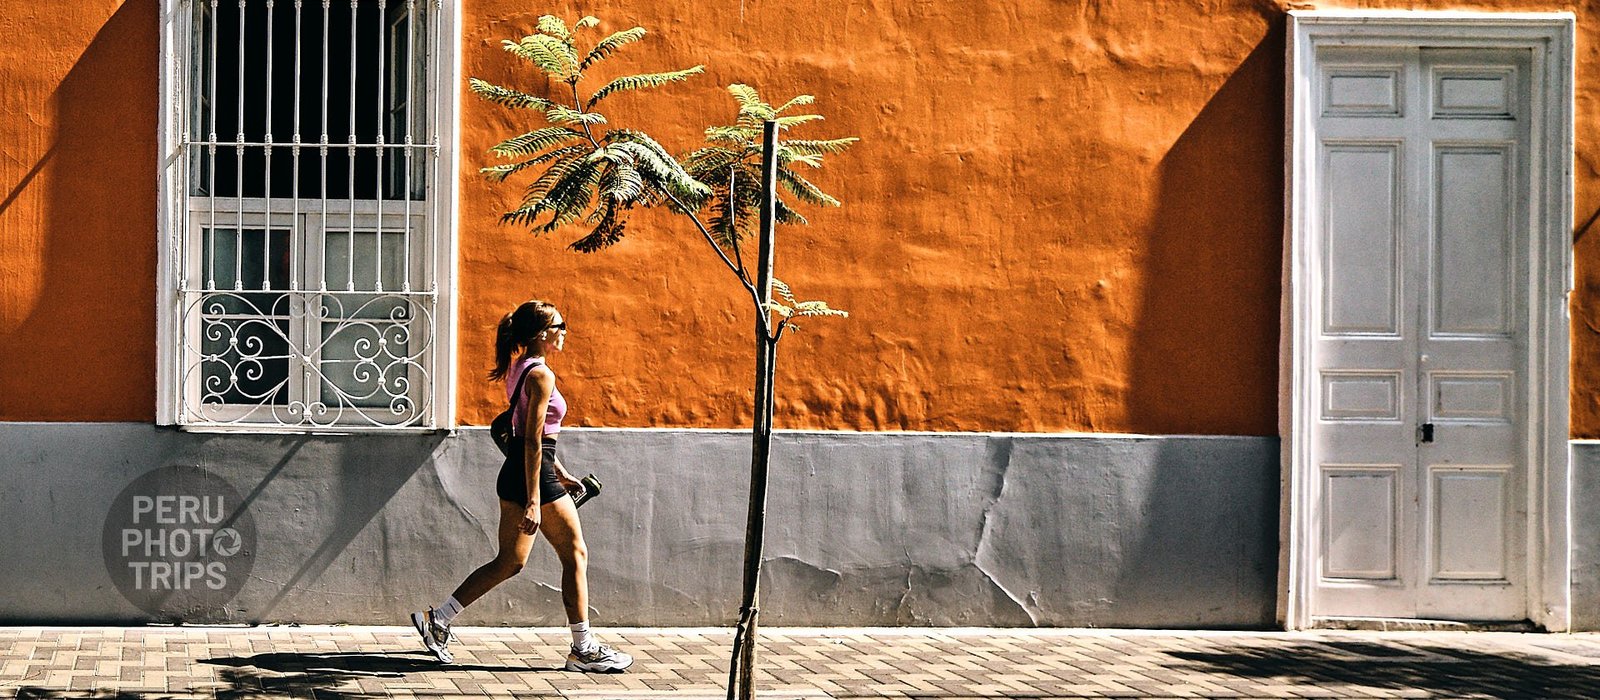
536,492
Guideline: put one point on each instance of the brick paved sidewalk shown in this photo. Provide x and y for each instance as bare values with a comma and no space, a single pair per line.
377,662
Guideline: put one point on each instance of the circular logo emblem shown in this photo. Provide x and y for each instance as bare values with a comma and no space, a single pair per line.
179,543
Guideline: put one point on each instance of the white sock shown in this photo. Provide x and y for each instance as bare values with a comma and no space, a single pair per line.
581,638
447,611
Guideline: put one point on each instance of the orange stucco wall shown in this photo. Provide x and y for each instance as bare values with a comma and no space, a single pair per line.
1062,216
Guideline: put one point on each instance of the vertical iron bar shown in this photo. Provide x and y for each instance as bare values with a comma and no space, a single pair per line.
322,281
211,148
266,189
350,164
295,227
411,50
431,119
382,111
760,453
238,168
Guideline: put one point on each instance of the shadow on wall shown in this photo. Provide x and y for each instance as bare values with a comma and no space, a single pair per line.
1207,360
342,523
1207,332
97,215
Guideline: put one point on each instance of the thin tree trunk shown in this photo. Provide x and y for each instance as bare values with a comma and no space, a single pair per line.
741,667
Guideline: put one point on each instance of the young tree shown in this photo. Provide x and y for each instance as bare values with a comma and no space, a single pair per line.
586,172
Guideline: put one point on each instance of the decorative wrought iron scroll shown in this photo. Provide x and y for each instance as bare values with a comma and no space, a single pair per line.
308,359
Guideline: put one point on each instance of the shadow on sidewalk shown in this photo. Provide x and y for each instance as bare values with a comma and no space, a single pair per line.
330,675
1441,671
326,676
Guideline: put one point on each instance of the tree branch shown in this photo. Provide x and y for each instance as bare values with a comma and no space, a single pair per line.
755,297
733,220
577,103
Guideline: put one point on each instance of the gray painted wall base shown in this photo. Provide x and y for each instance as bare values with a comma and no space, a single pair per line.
864,529
1585,536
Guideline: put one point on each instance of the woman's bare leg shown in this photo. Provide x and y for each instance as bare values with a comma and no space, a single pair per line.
513,554
565,533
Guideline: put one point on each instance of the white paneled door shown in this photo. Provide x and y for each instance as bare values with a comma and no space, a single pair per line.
1421,229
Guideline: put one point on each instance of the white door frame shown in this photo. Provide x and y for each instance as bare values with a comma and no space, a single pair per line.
1550,37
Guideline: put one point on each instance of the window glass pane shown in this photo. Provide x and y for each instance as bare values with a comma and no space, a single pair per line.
253,261
356,265
244,360
367,364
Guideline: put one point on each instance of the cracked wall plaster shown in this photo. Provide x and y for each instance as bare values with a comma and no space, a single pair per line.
863,529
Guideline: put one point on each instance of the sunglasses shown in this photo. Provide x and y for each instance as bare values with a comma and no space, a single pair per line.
559,326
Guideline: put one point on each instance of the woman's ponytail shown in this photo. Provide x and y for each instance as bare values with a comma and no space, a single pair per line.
504,342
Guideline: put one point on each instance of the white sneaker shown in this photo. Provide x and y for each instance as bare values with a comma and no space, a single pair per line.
436,637
598,659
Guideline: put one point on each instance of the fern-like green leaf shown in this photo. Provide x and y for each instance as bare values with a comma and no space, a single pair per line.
798,309
535,141
788,122
739,135
586,22
551,55
752,117
556,27
535,196
783,214
628,184
639,82
664,171
621,181
498,173
607,232
803,189
570,198
609,45
745,95
818,308
818,148
507,97
783,290
787,159
609,221
711,159
572,117
797,101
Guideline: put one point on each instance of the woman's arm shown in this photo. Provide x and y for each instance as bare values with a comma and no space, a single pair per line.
544,383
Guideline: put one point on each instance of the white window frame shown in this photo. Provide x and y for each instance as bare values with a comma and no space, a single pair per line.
178,232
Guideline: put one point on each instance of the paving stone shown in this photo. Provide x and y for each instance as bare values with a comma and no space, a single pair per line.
156,663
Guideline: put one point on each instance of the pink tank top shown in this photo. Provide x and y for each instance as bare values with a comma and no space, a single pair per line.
552,416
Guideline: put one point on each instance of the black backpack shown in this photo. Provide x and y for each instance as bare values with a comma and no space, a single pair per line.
500,427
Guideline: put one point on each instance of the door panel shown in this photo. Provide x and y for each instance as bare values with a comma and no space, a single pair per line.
1362,218
1359,546
1468,527
1472,247
1421,235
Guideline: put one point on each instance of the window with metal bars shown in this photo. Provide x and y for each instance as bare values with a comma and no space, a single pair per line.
302,200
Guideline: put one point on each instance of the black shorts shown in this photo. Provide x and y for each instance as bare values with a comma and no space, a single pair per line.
513,482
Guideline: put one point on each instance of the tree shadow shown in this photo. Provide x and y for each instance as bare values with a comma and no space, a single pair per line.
89,207
331,674
1441,671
